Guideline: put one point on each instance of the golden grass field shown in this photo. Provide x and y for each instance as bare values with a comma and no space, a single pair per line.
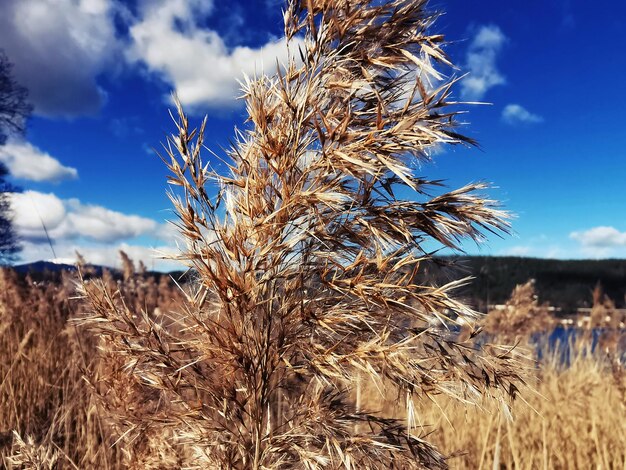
306,336
571,417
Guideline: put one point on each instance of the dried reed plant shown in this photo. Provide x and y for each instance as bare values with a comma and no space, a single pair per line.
573,421
306,261
43,361
606,320
42,394
521,316
29,455
603,312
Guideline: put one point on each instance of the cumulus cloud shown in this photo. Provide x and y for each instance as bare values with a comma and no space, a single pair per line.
101,254
481,63
58,48
25,161
600,237
71,219
96,232
516,114
168,40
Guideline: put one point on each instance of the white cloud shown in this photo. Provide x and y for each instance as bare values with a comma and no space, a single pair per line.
539,246
61,47
26,161
600,237
58,48
516,114
101,254
102,224
71,219
196,61
96,232
481,63
553,252
31,209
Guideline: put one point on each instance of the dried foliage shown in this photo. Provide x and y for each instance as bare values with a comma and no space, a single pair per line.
521,316
14,106
608,321
43,360
603,312
580,405
27,454
42,394
573,421
306,262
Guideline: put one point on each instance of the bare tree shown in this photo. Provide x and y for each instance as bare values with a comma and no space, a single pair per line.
9,244
14,112
14,107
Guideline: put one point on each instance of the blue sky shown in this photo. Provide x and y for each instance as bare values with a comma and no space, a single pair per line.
100,73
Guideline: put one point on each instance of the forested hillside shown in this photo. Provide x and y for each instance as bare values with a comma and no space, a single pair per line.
567,284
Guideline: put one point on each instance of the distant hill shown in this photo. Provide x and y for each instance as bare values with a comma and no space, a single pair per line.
41,266
51,271
567,284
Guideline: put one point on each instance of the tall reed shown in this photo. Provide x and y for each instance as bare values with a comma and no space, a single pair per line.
307,258
521,316
47,414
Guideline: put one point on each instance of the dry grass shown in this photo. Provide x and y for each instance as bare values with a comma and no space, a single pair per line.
51,418
575,420
306,265
48,413
306,283
521,316
43,396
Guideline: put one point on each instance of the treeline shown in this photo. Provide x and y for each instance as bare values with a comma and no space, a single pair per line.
565,284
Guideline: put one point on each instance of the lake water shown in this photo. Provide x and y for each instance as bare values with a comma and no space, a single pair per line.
562,341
